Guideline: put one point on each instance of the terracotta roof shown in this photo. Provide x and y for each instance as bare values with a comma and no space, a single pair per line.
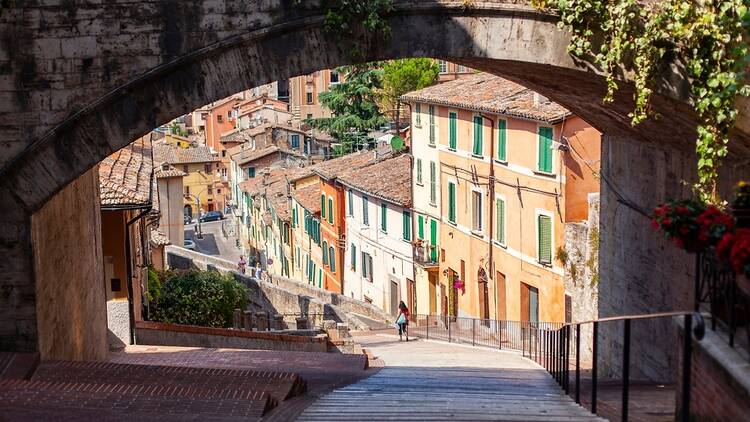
309,197
158,238
389,179
165,153
493,94
243,135
276,195
161,173
125,177
331,169
257,154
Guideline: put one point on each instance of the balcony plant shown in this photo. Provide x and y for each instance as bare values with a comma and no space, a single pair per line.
741,204
734,249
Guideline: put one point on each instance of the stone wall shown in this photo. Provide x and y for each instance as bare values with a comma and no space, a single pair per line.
118,323
582,272
69,272
161,334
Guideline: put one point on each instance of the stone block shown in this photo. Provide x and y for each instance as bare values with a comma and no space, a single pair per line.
247,320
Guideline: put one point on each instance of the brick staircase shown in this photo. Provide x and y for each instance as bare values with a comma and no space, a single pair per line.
110,391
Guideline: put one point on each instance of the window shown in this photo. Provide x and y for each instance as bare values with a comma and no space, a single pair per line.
323,206
419,171
185,168
431,111
420,227
350,200
251,172
294,217
229,114
478,126
353,250
443,66
383,217
568,309
433,183
295,141
407,225
545,150
500,222
544,231
332,258
309,116
307,221
452,202
220,118
207,168
218,191
452,130
330,210
418,114
367,266
365,214
501,139
309,98
334,77
210,191
476,211
187,190
223,153
325,252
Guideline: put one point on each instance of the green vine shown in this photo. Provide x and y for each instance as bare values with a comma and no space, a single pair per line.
707,35
357,23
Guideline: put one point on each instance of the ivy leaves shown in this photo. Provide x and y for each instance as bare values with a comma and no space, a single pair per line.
355,23
707,35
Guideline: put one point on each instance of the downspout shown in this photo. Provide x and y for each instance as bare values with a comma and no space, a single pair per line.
491,185
413,231
129,269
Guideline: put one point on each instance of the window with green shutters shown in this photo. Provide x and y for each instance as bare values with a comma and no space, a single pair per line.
478,126
353,251
407,225
294,217
545,150
452,202
432,124
350,198
323,206
433,183
418,114
500,223
502,139
452,130
332,258
325,252
420,226
419,171
307,222
545,239
330,210
365,213
383,218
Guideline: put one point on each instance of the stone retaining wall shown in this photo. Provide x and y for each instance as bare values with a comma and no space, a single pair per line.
163,334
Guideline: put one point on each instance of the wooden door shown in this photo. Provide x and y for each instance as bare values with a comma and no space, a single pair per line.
500,294
394,298
484,294
432,277
411,300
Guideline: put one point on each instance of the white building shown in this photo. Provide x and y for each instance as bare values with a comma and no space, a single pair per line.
379,232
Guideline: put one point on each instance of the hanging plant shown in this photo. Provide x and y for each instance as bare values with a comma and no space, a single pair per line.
357,23
707,35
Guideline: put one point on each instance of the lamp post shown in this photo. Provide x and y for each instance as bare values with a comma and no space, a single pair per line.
198,202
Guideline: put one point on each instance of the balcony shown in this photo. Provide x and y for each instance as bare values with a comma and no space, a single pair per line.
426,255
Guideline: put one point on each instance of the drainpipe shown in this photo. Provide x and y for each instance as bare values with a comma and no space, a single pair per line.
491,185
129,269
414,234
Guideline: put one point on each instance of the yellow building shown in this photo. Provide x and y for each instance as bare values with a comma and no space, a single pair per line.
176,140
202,183
489,168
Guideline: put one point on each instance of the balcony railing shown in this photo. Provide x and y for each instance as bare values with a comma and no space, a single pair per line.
426,255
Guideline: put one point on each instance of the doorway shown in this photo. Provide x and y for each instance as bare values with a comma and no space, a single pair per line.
529,303
411,300
188,210
432,278
394,297
500,294
484,295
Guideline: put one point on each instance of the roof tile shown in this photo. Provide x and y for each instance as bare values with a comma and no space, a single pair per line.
125,177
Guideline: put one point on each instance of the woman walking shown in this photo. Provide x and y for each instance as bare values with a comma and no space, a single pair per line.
403,321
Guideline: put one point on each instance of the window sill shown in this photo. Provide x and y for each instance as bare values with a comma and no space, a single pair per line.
478,234
544,264
452,223
481,157
502,162
451,149
419,184
432,145
545,174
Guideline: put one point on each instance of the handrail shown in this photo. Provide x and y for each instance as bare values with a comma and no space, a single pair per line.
634,317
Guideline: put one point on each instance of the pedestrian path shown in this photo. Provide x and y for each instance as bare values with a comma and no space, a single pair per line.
432,381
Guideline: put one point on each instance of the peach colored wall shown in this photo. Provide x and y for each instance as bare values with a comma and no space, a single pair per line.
330,234
113,245
582,166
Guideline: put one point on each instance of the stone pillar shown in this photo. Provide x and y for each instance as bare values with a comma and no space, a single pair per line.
278,322
247,320
261,321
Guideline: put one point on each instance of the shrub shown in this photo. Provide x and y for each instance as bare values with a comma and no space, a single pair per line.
154,285
204,298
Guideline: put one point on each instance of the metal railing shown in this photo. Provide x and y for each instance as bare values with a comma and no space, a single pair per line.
557,346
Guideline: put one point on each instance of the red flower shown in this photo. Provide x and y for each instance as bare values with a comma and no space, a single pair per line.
655,224
666,222
682,210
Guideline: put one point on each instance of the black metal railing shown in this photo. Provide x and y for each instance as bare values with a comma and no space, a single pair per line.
557,346
717,291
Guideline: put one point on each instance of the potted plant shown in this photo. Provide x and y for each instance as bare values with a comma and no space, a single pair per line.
679,222
741,204
734,249
459,284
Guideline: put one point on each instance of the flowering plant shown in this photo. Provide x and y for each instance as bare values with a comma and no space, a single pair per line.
459,284
734,248
679,222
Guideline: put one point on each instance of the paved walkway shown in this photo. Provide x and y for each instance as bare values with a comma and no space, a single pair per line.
424,380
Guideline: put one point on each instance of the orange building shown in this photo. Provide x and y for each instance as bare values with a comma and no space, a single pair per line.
512,168
304,91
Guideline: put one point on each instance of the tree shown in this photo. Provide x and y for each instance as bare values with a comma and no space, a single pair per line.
353,105
406,75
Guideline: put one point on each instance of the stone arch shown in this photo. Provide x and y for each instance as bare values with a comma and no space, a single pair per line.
101,75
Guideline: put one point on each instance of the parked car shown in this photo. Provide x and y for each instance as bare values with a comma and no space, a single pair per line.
189,244
188,219
212,216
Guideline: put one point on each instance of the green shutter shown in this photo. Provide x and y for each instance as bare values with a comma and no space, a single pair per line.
325,252
418,113
330,210
501,140
432,125
354,257
451,202
478,135
383,215
407,225
545,239
453,138
294,217
365,215
323,206
433,183
545,149
420,226
419,171
433,240
500,230
332,258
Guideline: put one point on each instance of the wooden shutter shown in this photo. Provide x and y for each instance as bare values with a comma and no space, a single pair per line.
420,226
365,216
545,239
419,171
545,151
354,257
451,202
330,210
383,216
453,130
323,206
432,125
351,202
477,135
407,225
500,221
332,259
433,183
501,139
325,252
433,240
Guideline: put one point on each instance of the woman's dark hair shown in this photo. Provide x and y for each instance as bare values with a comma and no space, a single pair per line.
401,305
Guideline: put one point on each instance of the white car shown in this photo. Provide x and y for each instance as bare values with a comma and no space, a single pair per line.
189,244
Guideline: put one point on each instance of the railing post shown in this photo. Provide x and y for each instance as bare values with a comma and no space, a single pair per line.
500,335
473,331
626,370
449,328
578,363
566,367
594,353
687,349
523,343
428,327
